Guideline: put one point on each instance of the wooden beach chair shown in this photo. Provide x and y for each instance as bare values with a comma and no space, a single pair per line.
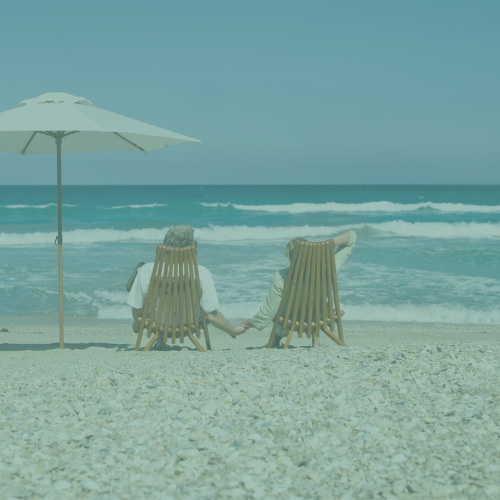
308,302
172,306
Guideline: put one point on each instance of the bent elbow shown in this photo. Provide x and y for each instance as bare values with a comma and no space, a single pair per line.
211,316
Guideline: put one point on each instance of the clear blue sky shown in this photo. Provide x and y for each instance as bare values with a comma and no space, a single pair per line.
277,91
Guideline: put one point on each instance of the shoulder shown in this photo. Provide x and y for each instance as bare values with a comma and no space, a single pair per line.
144,274
204,272
280,276
283,273
146,269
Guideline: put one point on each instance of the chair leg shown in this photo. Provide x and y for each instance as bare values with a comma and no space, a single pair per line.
315,341
195,342
333,337
151,342
207,340
288,339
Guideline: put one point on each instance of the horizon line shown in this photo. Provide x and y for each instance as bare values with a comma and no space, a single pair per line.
251,185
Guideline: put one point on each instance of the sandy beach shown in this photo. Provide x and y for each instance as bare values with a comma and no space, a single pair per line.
409,410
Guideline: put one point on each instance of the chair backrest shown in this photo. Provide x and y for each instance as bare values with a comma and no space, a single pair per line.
310,295
173,299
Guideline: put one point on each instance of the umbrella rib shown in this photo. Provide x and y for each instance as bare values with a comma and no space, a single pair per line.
28,143
130,142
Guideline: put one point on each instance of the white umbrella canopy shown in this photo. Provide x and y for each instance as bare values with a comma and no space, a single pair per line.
57,121
24,129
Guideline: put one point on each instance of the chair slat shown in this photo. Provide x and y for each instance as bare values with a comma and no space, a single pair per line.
168,300
163,288
194,299
312,289
175,287
330,281
317,293
324,311
148,297
200,294
187,293
181,294
283,298
155,290
305,298
336,295
300,279
295,272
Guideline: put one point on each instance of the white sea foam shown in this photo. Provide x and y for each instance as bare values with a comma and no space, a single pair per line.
445,230
431,313
35,206
118,297
112,305
114,311
227,234
436,313
80,236
152,205
109,304
373,206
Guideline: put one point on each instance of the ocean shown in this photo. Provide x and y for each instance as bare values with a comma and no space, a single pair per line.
424,253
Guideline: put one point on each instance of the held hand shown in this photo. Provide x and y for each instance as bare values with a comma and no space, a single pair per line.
238,330
246,325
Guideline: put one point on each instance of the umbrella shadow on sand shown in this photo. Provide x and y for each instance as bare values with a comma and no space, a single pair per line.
49,347
280,348
83,345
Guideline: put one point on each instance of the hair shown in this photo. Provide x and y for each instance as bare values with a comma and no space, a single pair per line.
180,236
290,246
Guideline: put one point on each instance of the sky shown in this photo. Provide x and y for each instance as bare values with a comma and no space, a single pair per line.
278,92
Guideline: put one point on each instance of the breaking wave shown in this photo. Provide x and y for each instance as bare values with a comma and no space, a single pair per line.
373,206
472,230
221,234
116,308
35,206
422,313
152,205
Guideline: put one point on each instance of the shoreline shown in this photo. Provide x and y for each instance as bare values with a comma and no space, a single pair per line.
356,333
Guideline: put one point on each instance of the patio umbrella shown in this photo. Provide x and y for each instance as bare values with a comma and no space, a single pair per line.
57,121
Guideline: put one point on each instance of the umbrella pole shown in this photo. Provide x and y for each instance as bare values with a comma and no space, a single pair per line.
59,239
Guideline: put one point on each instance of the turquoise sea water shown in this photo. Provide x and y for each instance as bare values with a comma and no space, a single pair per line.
424,253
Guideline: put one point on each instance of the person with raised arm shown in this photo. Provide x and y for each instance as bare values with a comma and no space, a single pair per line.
271,304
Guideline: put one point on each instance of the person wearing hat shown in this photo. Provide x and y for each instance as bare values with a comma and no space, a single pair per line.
178,236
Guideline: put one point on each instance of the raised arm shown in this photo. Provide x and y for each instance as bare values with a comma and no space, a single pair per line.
342,239
346,243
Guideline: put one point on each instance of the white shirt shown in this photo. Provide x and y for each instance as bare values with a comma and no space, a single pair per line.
137,296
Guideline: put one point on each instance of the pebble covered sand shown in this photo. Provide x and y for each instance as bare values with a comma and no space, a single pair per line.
415,420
